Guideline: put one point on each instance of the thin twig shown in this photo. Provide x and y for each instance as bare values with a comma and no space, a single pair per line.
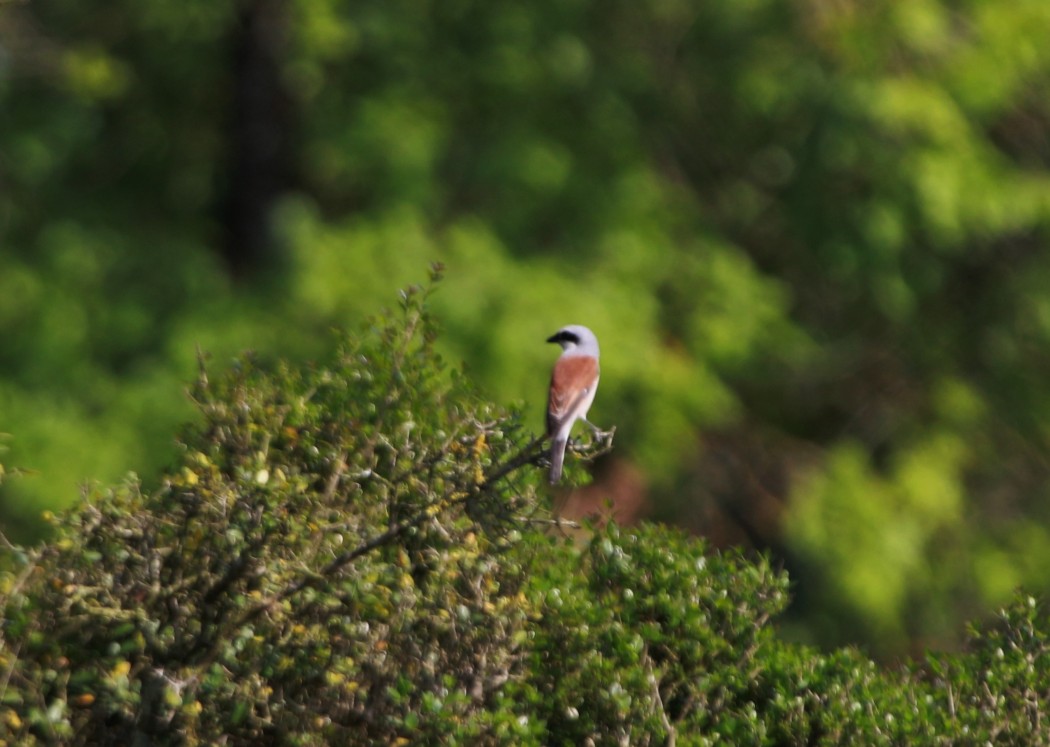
658,701
527,454
568,523
9,671
333,479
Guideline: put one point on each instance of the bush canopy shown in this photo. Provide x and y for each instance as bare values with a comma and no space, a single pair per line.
362,552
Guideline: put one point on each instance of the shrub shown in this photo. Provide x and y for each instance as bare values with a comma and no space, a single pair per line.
360,552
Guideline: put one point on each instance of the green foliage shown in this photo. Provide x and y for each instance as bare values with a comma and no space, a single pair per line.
647,634
357,553
815,230
236,565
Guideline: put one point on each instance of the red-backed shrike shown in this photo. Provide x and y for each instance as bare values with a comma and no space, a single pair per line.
573,384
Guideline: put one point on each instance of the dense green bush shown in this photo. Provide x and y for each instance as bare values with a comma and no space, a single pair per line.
359,553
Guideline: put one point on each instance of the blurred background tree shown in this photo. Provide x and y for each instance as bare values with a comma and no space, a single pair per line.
811,236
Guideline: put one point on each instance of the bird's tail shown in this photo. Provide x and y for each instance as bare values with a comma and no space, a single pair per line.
557,458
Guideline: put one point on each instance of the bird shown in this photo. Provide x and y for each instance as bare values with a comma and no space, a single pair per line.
574,381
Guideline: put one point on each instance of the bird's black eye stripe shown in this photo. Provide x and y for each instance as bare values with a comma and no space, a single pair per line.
565,336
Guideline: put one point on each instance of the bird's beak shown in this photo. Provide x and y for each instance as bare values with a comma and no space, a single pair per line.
556,337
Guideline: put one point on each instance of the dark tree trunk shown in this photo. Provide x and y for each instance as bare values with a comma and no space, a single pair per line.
259,142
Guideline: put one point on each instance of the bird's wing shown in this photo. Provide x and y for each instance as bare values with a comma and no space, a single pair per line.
572,380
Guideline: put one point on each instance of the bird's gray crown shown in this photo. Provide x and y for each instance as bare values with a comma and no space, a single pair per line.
576,336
